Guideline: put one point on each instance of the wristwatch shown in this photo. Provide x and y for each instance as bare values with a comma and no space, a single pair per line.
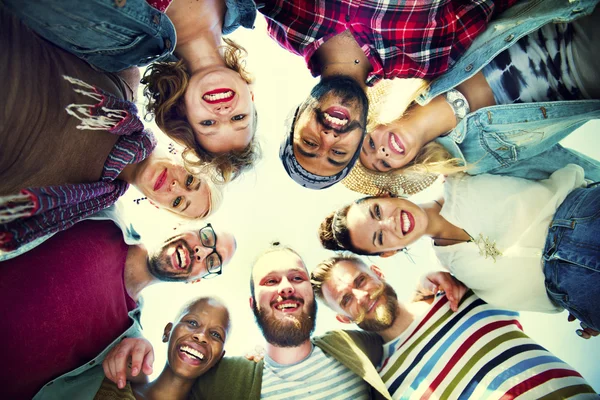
459,104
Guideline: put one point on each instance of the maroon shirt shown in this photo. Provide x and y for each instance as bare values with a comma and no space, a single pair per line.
62,304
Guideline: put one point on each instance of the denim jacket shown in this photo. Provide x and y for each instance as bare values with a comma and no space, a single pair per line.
517,139
113,35
83,382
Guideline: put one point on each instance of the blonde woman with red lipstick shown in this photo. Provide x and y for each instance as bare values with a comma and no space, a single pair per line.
519,244
204,101
195,345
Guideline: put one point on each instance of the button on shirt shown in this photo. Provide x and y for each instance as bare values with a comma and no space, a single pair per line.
409,39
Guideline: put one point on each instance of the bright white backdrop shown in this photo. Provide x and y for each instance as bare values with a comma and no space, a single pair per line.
265,205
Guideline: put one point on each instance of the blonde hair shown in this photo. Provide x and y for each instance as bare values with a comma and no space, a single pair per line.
391,100
166,84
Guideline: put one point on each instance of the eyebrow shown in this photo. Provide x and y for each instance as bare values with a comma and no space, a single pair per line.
375,168
305,153
337,163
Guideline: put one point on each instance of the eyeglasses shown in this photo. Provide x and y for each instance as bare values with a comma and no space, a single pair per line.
214,264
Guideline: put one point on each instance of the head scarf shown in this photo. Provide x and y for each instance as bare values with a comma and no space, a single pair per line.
302,176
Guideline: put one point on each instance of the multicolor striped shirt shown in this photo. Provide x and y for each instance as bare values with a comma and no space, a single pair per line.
477,352
319,376
401,39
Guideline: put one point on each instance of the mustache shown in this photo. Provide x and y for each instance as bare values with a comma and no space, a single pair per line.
362,312
351,126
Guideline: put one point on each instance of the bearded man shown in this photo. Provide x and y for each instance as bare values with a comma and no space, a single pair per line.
331,366
456,347
71,299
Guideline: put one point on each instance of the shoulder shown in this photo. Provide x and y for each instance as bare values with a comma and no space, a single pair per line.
232,378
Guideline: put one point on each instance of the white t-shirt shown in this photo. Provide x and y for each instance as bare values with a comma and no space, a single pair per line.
515,213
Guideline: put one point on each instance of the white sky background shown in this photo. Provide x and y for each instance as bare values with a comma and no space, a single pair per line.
266,205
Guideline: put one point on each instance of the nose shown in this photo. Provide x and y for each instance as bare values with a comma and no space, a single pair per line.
200,253
199,335
382,153
360,295
285,287
389,223
222,109
328,139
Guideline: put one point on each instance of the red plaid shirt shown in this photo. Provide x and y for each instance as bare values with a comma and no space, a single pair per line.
402,39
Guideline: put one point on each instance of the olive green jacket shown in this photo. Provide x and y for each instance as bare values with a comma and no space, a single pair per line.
236,378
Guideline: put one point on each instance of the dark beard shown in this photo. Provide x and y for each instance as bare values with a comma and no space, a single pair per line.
346,88
158,263
286,333
389,313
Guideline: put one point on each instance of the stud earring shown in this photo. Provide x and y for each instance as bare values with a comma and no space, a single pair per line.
137,201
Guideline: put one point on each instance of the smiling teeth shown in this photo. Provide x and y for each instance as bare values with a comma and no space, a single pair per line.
218,96
181,257
396,145
405,222
334,120
192,352
287,305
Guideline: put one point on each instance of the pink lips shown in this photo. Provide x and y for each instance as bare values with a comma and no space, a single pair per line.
395,139
338,112
218,91
160,181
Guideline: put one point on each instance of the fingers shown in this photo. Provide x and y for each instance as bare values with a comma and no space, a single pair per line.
148,362
136,350
138,354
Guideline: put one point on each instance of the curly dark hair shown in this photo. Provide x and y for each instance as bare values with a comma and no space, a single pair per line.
166,83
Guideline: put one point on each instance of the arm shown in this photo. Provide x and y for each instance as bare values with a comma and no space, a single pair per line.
126,360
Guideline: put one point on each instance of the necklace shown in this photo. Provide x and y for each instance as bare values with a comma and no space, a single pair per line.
486,247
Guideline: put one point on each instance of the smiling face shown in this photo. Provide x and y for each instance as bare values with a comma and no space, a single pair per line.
358,294
389,147
330,126
384,225
283,301
168,185
196,341
220,108
184,257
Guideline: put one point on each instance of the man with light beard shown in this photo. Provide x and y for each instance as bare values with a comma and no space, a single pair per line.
295,366
72,298
453,346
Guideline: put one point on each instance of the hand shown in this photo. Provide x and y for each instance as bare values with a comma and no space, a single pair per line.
138,350
256,355
585,332
444,281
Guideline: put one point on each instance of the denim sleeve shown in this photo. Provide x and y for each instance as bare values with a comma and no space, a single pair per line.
544,164
111,35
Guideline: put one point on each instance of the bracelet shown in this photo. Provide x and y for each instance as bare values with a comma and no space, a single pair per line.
459,104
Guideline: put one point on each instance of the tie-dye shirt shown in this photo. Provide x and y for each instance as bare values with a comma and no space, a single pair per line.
477,352
539,67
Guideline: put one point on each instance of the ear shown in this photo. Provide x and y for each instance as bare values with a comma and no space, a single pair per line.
251,302
343,319
252,94
167,332
389,253
194,281
222,355
377,271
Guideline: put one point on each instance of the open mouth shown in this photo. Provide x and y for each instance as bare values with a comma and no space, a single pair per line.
408,222
287,306
180,259
395,144
160,181
191,355
336,117
222,95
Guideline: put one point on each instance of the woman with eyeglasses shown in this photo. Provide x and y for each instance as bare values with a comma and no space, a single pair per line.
519,244
195,344
524,85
